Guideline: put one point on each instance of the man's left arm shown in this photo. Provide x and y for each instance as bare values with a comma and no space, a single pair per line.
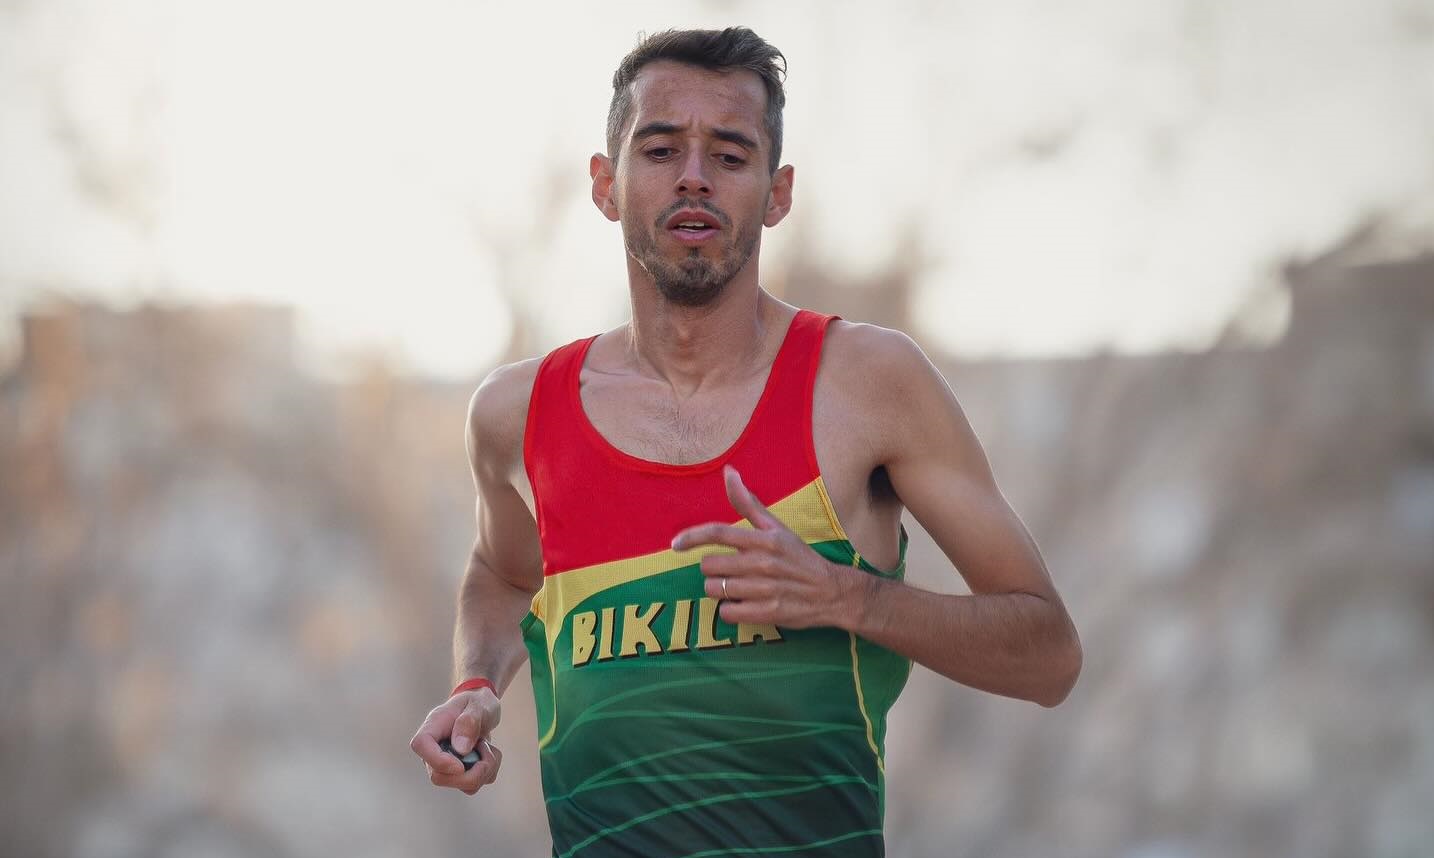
1011,636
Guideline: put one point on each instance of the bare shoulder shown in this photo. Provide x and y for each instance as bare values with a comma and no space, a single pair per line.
497,415
889,393
875,363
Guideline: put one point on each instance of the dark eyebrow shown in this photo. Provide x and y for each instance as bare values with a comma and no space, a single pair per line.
652,129
735,137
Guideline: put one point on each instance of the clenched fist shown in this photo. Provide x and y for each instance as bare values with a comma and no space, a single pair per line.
467,719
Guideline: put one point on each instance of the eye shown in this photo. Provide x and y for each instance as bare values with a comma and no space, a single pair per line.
659,152
731,160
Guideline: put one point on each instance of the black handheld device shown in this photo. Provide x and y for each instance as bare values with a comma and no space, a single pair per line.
468,759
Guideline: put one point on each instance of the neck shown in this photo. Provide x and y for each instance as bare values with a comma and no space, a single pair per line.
694,347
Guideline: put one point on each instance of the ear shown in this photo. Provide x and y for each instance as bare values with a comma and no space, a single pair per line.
779,201
601,169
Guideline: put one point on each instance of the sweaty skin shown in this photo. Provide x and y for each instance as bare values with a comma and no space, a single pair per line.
678,383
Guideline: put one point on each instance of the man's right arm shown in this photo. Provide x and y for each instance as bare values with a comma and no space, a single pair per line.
504,572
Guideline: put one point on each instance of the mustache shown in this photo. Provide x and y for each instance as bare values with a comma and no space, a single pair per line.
678,206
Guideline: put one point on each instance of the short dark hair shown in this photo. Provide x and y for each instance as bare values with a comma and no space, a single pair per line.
732,48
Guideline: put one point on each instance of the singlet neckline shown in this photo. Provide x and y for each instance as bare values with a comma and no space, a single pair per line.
625,458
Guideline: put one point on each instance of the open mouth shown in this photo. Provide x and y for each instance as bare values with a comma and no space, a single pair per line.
692,231
692,226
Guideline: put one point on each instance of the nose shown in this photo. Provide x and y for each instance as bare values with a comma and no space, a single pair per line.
693,179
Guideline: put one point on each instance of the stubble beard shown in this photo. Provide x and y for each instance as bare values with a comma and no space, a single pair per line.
695,281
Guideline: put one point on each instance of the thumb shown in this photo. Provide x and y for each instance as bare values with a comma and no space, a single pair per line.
476,720
746,503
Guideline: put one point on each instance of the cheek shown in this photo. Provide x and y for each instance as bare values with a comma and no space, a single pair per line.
756,203
752,223
633,200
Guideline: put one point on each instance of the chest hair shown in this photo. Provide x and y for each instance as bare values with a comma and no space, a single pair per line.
649,422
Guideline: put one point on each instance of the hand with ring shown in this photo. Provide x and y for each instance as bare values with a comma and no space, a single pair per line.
780,579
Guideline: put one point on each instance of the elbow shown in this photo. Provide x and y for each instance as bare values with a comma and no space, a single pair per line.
1066,670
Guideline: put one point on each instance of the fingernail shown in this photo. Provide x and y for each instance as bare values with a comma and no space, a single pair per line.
460,744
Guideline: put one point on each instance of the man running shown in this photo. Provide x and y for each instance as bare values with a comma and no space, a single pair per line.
690,525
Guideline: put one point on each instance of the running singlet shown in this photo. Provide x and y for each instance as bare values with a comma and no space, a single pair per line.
663,730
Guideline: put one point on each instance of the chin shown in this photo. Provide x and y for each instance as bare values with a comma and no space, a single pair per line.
684,295
690,285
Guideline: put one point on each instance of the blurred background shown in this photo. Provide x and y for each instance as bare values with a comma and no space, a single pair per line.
1175,257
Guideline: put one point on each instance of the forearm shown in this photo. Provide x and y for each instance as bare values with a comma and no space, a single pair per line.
487,640
1014,644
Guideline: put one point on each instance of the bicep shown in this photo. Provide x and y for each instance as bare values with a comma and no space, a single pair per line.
939,470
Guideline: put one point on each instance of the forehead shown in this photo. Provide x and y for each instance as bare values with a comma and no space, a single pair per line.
666,91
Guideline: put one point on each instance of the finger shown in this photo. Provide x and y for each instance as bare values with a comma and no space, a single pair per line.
719,589
715,533
729,565
467,781
436,726
444,764
747,503
738,589
485,772
493,760
758,611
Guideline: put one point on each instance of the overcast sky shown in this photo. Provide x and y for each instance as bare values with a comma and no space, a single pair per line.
1081,175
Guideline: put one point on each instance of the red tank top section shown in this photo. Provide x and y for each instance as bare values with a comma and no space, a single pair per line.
596,504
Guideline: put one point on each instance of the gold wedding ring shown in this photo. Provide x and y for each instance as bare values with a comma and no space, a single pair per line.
724,589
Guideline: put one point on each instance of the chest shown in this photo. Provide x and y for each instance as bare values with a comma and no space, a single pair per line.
646,420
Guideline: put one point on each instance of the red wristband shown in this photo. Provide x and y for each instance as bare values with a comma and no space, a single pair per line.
473,685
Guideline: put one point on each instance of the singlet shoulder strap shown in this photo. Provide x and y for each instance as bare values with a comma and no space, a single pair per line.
813,336
784,419
550,424
549,401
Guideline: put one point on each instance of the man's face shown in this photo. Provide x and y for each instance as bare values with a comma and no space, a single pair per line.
691,185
